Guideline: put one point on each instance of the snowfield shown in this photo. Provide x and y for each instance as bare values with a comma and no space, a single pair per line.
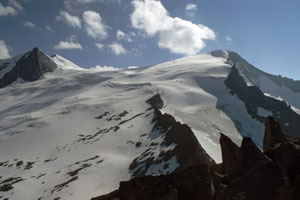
74,133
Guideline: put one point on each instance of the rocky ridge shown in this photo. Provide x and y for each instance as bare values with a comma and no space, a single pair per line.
178,139
245,173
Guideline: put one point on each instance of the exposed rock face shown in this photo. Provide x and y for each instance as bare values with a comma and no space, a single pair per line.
193,183
230,155
273,133
185,146
255,176
156,102
246,173
30,67
293,85
254,98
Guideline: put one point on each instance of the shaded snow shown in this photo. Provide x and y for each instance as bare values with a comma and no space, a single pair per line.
11,65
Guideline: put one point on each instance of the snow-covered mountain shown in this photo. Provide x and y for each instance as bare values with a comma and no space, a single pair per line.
72,133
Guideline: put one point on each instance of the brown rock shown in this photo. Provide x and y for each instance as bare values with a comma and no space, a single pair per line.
265,181
193,183
250,155
230,155
273,133
111,196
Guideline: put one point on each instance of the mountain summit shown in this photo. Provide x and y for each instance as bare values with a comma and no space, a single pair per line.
28,67
63,128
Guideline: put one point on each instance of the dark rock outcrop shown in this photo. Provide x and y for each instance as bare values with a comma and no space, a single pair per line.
254,98
230,155
193,183
273,133
293,85
185,146
247,173
255,176
30,67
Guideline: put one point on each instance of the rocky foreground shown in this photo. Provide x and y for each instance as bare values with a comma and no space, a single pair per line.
246,173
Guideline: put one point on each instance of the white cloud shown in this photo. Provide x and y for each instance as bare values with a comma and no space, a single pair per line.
67,45
48,28
117,48
100,46
29,25
4,52
123,36
191,7
94,25
12,8
228,38
70,43
71,20
15,4
104,68
69,3
132,67
149,16
178,35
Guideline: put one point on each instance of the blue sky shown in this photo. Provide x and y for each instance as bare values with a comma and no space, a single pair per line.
122,33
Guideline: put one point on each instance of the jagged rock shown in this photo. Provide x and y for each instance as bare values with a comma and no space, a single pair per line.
283,150
30,67
254,98
250,155
187,149
252,175
230,155
156,102
246,173
193,183
296,189
273,133
264,181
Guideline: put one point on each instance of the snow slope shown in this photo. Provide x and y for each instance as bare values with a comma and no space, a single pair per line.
64,64
62,136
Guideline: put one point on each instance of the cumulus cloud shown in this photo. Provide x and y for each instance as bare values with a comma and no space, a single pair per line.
100,46
69,43
48,28
123,36
15,4
104,68
94,25
228,38
117,48
4,52
69,4
71,20
30,25
175,34
12,8
191,7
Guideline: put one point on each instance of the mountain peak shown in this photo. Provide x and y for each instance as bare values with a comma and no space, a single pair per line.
29,67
